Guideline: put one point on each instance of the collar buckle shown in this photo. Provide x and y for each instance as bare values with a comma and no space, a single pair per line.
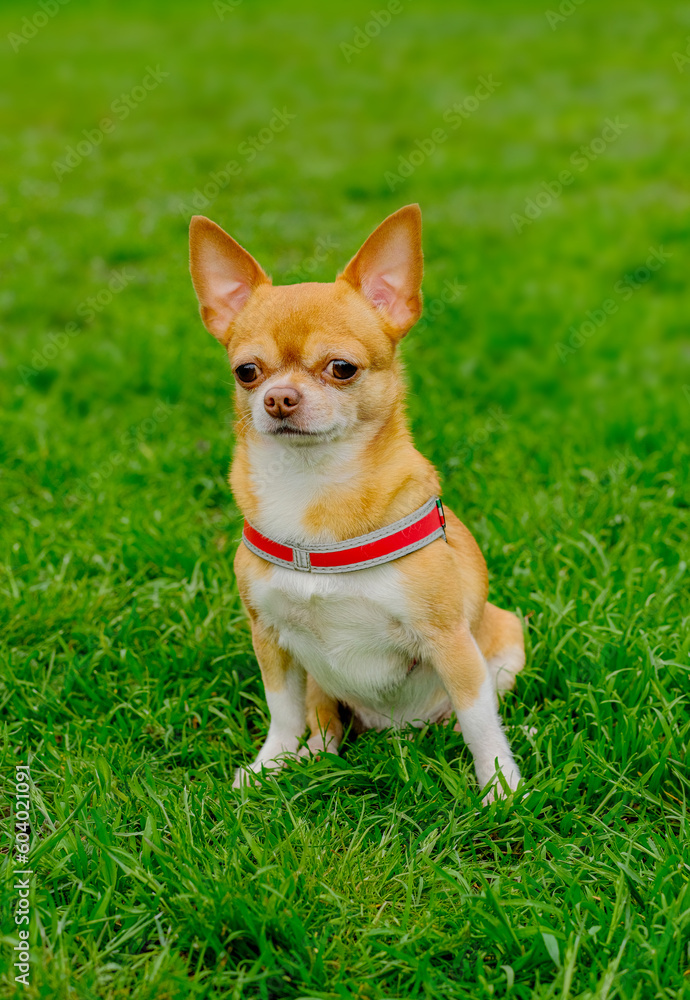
442,515
301,560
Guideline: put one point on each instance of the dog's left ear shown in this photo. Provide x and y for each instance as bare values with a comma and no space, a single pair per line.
224,275
387,270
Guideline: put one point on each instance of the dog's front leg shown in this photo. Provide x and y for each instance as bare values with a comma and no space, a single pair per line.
468,681
284,684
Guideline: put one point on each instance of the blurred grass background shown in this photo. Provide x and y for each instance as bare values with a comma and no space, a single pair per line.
128,676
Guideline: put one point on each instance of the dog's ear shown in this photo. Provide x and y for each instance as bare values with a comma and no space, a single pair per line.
387,270
224,275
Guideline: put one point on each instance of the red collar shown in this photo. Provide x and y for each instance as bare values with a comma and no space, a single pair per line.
392,542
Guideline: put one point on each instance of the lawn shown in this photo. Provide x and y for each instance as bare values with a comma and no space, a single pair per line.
550,384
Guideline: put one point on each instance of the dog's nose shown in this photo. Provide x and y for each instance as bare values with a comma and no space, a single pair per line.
282,400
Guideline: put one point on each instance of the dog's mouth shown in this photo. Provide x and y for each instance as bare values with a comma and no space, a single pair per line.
289,432
294,432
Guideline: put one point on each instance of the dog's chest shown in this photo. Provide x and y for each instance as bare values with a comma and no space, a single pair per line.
350,631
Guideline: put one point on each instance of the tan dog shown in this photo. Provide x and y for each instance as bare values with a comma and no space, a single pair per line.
324,456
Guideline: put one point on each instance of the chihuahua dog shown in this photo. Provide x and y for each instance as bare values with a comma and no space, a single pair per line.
360,589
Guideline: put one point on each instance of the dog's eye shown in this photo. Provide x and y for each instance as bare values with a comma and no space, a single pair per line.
247,373
343,369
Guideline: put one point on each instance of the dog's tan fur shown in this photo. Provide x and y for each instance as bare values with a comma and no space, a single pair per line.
359,471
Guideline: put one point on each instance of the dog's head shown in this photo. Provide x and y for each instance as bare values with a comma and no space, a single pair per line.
312,361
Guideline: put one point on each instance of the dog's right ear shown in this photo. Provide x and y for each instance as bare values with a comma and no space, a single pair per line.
224,275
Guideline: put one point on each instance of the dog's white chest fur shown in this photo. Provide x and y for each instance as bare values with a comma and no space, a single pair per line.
350,632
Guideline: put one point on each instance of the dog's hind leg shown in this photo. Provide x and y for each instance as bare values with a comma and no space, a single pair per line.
323,720
463,671
502,643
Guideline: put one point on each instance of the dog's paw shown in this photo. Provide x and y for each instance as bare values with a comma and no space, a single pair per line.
503,785
243,777
317,746
495,792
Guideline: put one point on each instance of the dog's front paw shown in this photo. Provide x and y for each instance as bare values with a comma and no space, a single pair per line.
503,784
267,761
243,777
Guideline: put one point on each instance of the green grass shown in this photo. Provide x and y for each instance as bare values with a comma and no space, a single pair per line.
128,677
